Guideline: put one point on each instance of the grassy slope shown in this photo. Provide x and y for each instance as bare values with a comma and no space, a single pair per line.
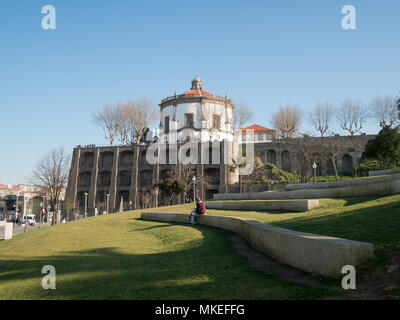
120,257
370,219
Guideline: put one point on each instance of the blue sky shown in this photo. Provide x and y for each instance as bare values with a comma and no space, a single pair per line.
265,53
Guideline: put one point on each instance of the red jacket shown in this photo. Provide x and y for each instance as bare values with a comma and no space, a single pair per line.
200,208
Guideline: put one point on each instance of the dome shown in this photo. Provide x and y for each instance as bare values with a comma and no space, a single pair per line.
196,84
197,90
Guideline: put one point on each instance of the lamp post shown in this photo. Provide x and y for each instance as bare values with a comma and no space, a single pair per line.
16,208
25,215
194,188
108,201
86,194
315,172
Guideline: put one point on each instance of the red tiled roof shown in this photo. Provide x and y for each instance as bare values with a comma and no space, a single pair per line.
256,127
197,93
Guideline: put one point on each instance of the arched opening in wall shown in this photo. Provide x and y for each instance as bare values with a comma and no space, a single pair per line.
347,163
145,178
211,176
316,158
165,174
124,178
124,195
104,179
80,201
146,199
330,170
126,159
271,157
142,157
286,161
84,179
210,194
106,159
86,160
101,197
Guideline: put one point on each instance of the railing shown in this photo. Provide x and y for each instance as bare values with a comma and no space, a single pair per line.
188,95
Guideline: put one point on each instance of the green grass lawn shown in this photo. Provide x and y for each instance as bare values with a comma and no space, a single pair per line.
119,256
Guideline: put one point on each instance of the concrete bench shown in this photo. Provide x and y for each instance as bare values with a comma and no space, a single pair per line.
343,183
312,253
284,205
383,172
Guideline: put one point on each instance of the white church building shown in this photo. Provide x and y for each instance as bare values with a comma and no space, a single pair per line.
196,115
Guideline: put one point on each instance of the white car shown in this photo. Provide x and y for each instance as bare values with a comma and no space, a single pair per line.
31,218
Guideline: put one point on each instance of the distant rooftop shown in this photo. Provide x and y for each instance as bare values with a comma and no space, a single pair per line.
257,127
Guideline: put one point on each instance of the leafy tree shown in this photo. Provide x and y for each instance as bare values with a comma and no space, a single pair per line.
170,187
385,148
68,206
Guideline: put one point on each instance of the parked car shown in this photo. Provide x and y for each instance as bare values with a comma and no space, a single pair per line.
31,218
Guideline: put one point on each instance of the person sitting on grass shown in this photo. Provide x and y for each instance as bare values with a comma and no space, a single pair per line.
200,210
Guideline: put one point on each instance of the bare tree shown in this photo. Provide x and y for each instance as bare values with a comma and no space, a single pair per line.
332,146
51,175
305,153
242,114
351,116
321,117
384,110
146,198
188,171
287,121
126,122
139,114
109,119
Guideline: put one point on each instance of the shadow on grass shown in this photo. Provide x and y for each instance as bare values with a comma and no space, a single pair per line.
205,268
350,201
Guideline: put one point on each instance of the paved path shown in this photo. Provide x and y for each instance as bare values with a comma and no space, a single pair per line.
21,228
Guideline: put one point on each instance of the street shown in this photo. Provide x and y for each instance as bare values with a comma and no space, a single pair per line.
18,228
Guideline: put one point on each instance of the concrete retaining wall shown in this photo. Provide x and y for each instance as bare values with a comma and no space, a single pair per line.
383,172
286,205
313,253
384,188
339,184
6,230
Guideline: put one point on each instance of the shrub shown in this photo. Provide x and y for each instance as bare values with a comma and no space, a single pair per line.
385,148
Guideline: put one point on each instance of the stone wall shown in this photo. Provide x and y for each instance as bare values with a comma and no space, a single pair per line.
260,205
372,189
343,183
123,172
312,253
6,230
383,172
282,153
